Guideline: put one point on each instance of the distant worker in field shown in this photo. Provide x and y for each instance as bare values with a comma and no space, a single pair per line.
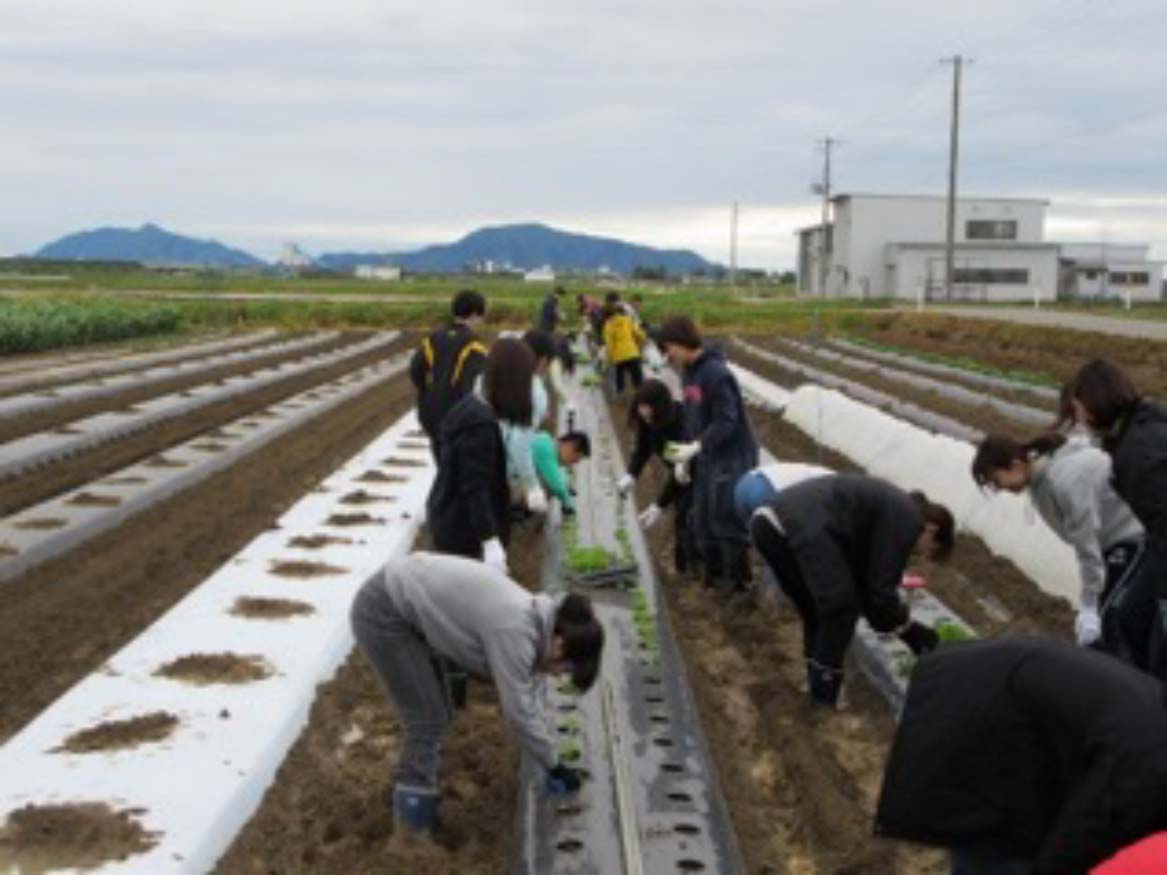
623,341
552,455
1133,432
838,546
659,420
447,364
426,612
1027,757
720,442
1068,482
549,312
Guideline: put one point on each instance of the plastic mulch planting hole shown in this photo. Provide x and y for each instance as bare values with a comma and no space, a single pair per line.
66,430
203,669
353,519
7,550
690,866
376,476
362,497
92,499
298,568
663,742
687,829
568,809
258,608
123,481
403,463
79,835
209,447
680,797
651,679
39,523
659,718
654,700
164,462
672,768
570,846
120,734
317,542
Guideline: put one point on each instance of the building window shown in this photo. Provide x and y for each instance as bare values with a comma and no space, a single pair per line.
986,229
989,276
1136,278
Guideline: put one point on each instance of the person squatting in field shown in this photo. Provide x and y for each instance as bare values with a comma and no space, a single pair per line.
425,612
659,420
1027,757
838,546
720,444
1068,481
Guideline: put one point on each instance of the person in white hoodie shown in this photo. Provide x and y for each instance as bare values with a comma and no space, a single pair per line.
425,611
1068,481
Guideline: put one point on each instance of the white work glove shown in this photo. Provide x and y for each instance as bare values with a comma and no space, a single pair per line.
681,472
494,555
649,516
1087,626
682,453
536,500
624,484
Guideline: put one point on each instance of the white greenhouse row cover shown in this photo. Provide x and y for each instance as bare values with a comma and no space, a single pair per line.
198,787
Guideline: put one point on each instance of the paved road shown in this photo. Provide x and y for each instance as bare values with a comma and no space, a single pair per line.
1149,329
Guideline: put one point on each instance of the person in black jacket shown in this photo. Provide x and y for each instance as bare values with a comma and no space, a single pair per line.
1027,756
468,506
838,546
1134,432
446,365
659,419
549,312
721,442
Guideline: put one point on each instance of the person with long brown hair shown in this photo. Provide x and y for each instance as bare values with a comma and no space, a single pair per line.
1068,482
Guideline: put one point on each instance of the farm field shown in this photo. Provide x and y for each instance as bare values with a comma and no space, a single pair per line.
799,786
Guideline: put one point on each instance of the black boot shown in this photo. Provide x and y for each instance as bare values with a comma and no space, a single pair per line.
824,683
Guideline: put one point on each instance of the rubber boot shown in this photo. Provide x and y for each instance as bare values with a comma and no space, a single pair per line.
824,683
415,808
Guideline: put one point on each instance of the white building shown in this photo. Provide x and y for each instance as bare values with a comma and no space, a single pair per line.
542,274
894,246
377,272
292,256
1110,270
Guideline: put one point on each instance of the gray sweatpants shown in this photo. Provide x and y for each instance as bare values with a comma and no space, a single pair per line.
412,675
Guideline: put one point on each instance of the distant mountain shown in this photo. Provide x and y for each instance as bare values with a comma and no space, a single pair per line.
149,245
528,246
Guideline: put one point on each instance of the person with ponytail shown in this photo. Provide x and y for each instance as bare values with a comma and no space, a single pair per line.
427,611
1133,432
1068,481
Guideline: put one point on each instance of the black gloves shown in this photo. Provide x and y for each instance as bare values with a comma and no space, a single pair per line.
562,780
920,638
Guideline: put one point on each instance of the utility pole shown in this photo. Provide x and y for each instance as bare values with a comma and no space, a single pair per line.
733,247
824,188
957,62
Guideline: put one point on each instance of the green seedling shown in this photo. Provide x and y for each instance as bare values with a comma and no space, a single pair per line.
589,559
949,632
570,726
567,688
570,751
904,663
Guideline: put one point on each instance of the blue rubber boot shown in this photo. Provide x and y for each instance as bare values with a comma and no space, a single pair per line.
415,807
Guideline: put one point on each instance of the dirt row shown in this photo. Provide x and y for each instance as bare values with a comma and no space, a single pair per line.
1053,353
983,416
63,619
66,474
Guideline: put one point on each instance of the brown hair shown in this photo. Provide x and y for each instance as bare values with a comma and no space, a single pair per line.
680,331
506,380
941,517
1105,391
998,452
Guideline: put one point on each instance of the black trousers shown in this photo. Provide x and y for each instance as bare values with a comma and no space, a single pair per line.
634,371
826,630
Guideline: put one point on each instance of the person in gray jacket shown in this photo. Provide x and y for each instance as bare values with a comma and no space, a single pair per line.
426,608
1068,481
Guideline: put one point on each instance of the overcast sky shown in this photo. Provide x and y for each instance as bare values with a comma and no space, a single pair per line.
379,124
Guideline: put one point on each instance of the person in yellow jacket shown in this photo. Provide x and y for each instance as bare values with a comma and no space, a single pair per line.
623,340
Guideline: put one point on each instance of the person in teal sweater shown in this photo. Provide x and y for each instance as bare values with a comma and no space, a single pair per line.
551,456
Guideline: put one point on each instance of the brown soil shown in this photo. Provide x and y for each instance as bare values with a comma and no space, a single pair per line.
353,519
1053,352
327,809
43,838
306,569
78,470
123,481
65,618
209,447
16,426
92,499
982,417
6,550
39,523
362,497
121,734
399,462
376,476
203,669
164,461
317,542
801,785
257,608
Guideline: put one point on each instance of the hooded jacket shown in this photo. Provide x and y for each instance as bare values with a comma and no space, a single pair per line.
1029,749
468,502
715,414
1138,448
853,536
487,624
1071,490
623,338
